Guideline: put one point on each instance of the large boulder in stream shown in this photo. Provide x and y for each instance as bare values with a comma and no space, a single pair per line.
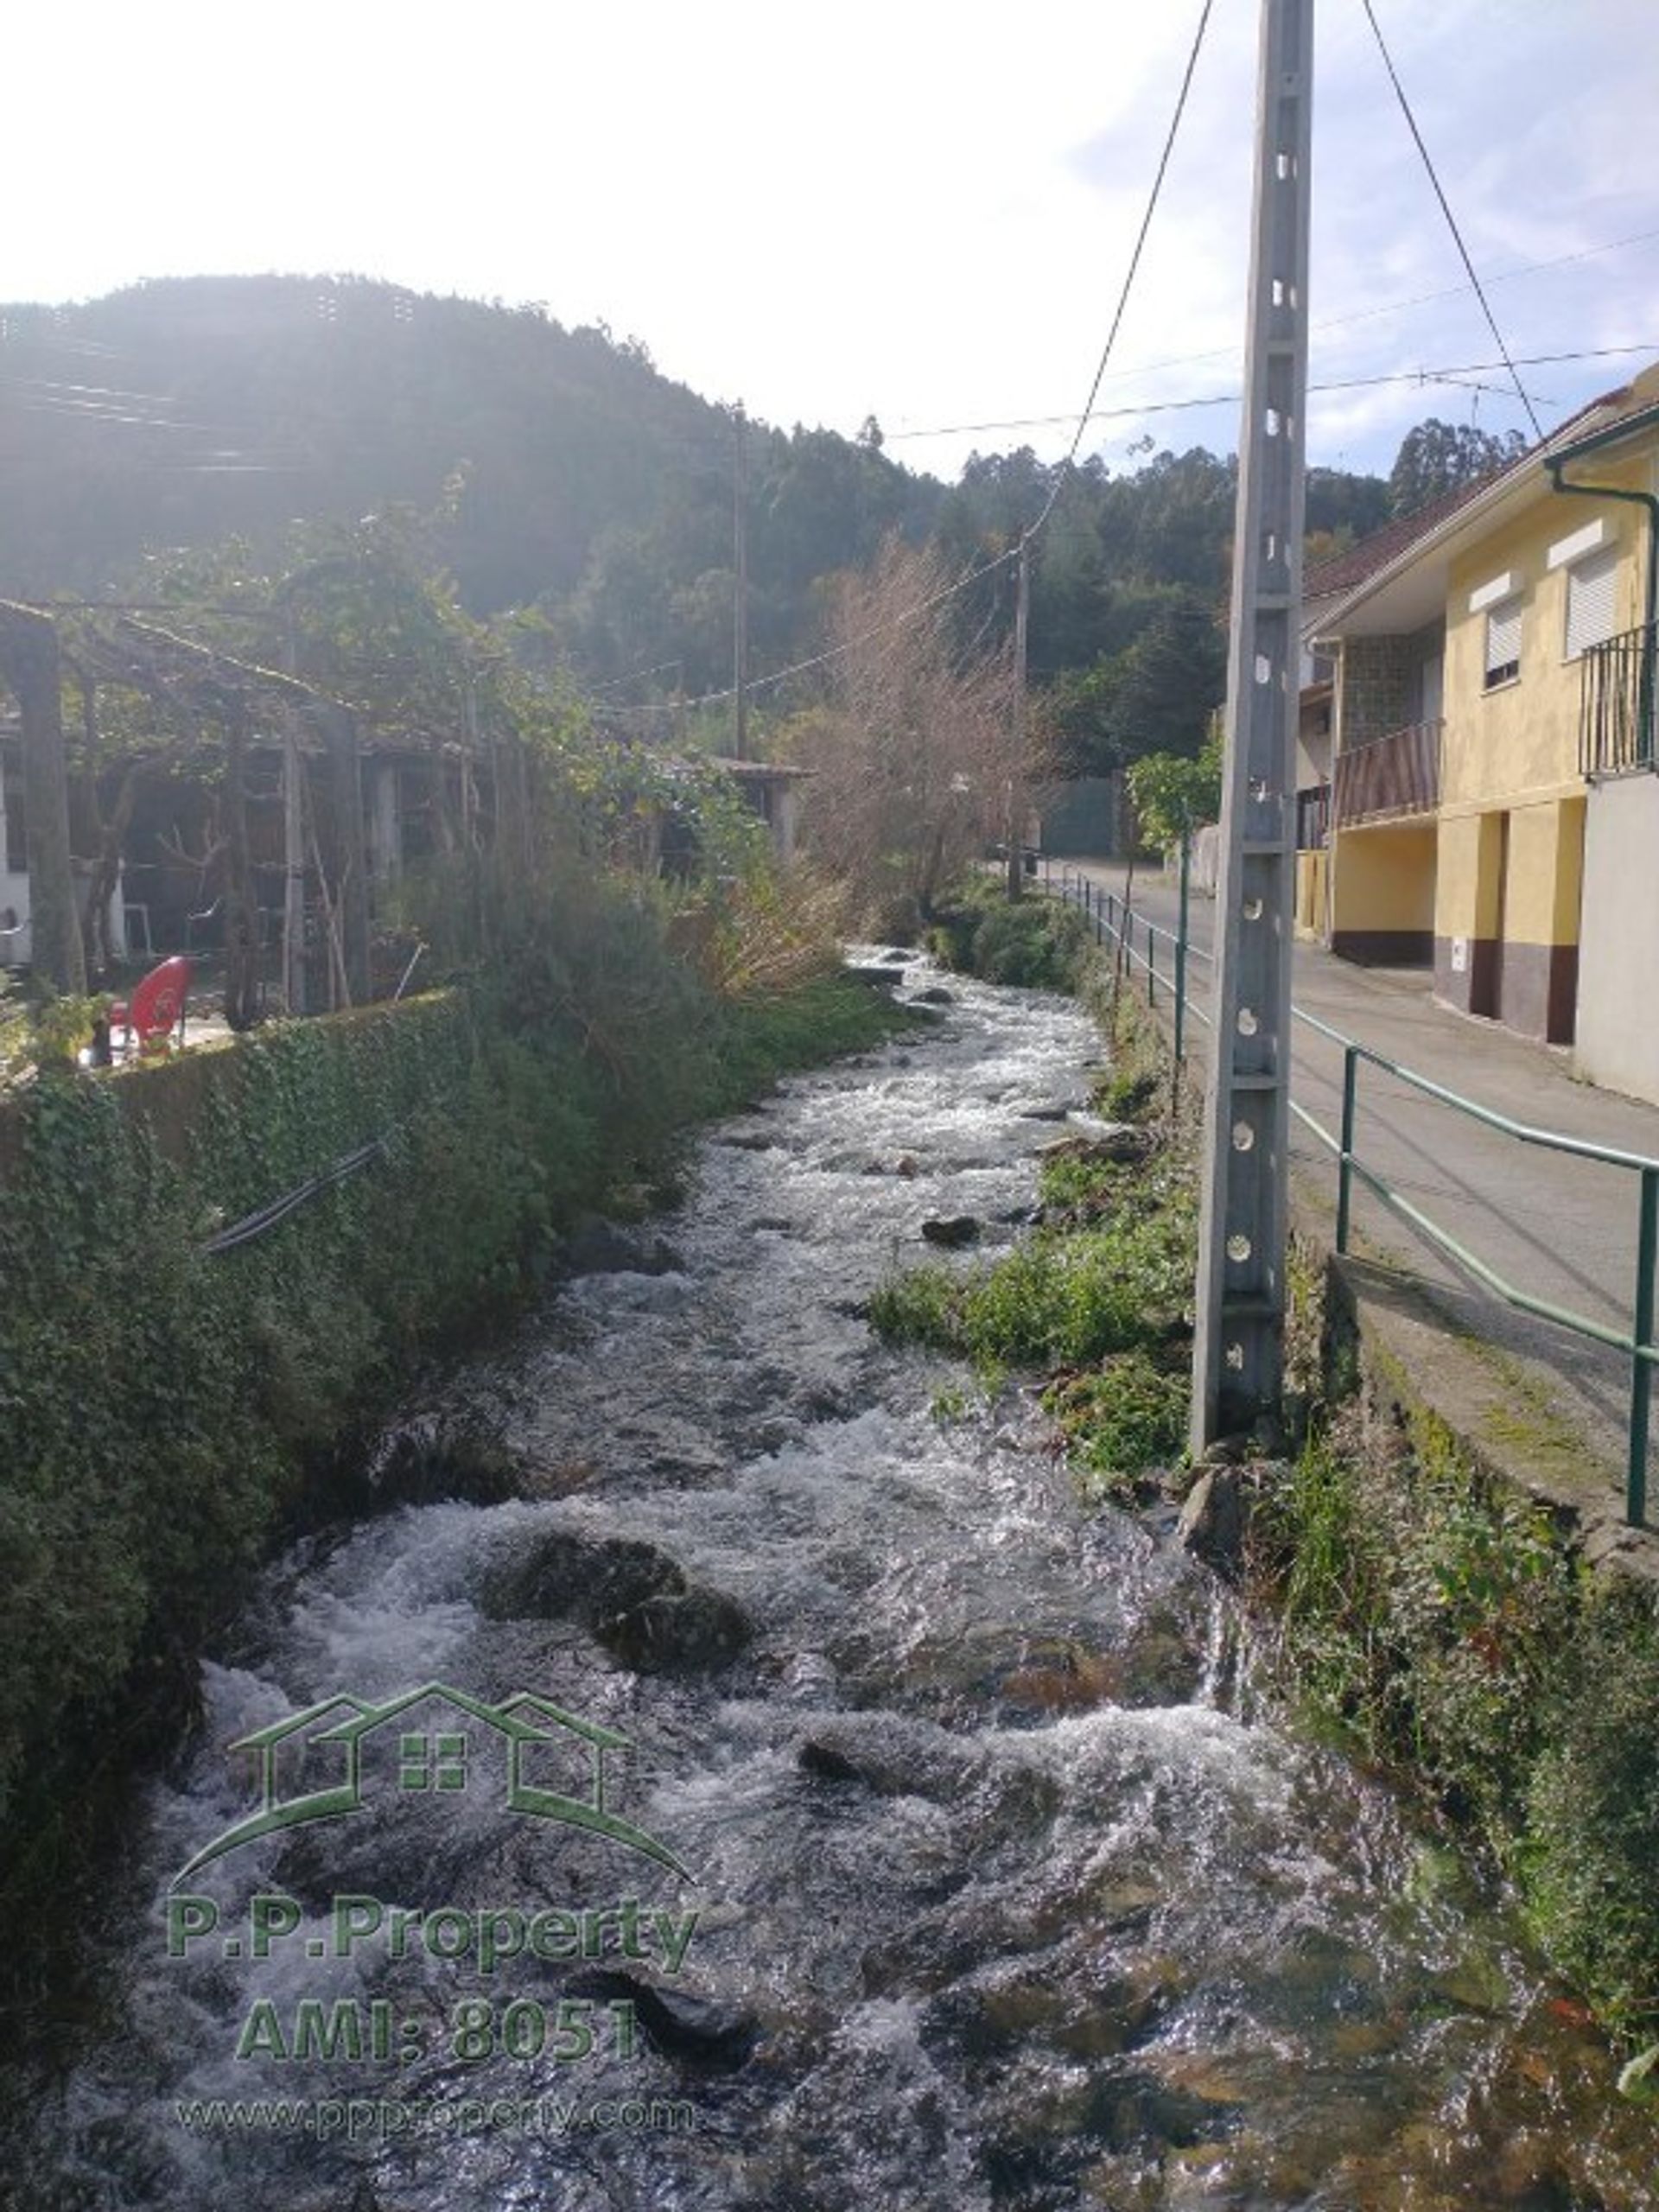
566,1576
597,1247
633,1598
708,2031
678,1632
952,1231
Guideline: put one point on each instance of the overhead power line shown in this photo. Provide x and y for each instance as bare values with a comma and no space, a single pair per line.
1153,198
1445,210
1387,306
1458,374
1002,560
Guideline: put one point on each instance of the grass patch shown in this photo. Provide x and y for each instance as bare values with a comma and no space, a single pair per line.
1121,1418
1059,1299
761,1039
1096,1300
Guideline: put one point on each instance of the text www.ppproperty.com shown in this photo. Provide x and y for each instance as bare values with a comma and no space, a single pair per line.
380,2118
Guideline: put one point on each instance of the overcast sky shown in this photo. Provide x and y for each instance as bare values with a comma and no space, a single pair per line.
915,210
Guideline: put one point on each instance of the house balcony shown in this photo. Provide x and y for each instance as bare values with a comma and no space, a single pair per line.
1616,704
1390,779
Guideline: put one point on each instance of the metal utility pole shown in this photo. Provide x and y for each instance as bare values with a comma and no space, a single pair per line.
1016,875
1238,1354
741,562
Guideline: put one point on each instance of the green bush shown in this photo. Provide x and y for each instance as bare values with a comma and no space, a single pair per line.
1443,1623
1592,1843
1035,943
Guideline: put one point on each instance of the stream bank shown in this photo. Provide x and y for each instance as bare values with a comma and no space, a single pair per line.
1011,1888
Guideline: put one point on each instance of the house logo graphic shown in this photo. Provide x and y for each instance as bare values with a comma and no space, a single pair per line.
442,1738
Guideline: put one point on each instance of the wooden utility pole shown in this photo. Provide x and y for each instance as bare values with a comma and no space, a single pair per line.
740,597
1238,1353
1016,875
338,728
31,666
241,960
294,978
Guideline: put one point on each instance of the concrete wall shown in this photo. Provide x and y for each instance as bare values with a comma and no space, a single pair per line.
1382,894
1618,1040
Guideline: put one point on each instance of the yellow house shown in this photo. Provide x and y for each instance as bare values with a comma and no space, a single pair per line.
1494,809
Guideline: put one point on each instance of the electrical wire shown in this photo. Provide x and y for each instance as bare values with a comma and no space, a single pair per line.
1362,314
1153,198
1445,210
1458,373
1013,552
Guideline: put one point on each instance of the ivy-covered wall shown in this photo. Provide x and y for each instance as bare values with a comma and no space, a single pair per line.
157,1402
159,1405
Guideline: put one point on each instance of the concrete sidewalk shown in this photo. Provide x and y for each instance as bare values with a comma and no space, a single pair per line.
1559,1228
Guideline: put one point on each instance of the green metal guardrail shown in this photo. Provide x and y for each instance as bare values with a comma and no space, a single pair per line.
1116,922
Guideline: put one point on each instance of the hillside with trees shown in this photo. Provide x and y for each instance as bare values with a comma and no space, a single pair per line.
562,478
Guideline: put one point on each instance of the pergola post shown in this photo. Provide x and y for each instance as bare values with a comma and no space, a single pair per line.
31,665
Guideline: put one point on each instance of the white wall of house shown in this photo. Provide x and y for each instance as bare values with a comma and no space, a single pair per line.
1616,1046
15,936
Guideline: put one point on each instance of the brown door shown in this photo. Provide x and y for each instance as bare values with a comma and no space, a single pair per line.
1500,925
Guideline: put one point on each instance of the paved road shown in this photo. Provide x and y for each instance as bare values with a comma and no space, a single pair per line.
1561,1228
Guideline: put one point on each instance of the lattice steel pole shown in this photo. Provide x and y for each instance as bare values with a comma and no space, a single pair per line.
1238,1354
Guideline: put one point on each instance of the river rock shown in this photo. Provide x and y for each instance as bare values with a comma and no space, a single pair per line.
825,1763
429,1460
597,1247
935,994
953,1231
1118,1140
1212,1521
678,1632
708,2030
568,1576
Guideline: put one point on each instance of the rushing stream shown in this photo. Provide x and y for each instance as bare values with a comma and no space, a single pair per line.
995,1885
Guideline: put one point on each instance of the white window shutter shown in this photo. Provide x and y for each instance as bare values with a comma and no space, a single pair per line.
1502,641
1591,601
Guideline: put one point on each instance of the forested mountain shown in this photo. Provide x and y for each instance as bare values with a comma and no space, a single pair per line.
566,474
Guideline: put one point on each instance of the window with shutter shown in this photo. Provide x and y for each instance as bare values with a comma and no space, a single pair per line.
1503,642
1591,600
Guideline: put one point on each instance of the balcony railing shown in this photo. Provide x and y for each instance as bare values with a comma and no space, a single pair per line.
1391,776
1314,818
1615,690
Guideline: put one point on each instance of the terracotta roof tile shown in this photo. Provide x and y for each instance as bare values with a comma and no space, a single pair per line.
1345,572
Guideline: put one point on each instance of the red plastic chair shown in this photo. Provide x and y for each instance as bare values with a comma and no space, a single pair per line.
156,1010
